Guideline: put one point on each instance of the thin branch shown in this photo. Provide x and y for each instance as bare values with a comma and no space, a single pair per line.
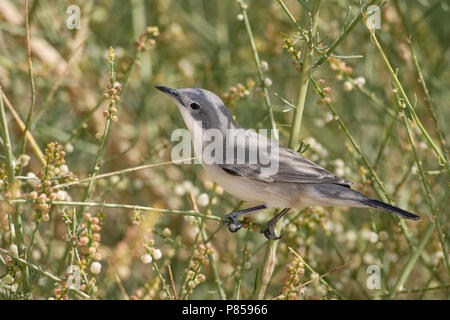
338,41
21,125
427,189
321,278
437,151
212,262
172,283
30,76
42,272
412,261
118,172
243,8
127,206
13,189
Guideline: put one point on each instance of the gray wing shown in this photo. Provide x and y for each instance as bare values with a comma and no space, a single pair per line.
292,167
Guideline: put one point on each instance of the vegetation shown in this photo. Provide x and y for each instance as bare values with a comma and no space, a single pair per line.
92,207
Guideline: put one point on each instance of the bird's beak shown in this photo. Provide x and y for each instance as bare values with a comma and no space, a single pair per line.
171,92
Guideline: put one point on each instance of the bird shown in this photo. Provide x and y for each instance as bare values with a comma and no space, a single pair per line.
295,183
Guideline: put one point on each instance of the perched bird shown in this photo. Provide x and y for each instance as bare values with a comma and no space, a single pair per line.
296,182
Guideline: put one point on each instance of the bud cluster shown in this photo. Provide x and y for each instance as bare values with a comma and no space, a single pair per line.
56,171
289,44
200,258
237,92
294,270
147,39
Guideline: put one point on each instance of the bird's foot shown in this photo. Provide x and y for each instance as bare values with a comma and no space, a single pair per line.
269,232
233,225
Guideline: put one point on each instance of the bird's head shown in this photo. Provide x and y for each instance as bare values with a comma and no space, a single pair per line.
201,106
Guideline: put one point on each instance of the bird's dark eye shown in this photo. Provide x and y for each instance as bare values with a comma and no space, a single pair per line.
194,106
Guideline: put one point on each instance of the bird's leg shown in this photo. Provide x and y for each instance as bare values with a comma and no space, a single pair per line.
270,231
234,225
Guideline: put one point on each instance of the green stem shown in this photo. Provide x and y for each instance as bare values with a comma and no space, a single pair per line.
13,189
128,206
43,272
294,136
106,130
440,287
428,100
241,267
427,190
412,261
20,242
10,167
321,279
441,157
288,13
338,41
298,113
212,263
33,235
163,281
182,293
30,76
353,142
243,8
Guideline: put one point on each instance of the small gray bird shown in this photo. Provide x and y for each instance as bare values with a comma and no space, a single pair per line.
297,183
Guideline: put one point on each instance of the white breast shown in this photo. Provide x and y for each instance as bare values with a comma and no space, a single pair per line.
239,187
273,195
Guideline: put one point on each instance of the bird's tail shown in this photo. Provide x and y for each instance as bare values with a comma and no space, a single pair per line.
338,195
387,207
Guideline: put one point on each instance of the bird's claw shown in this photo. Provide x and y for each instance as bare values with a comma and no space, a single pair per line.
233,225
269,233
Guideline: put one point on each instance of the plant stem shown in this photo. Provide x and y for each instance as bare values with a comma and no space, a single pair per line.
30,76
21,125
298,113
241,268
105,135
118,172
353,142
444,286
7,145
441,157
212,263
412,261
128,206
428,100
163,281
427,190
43,272
13,189
324,282
265,274
33,235
288,13
273,125
338,41
182,293
294,136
